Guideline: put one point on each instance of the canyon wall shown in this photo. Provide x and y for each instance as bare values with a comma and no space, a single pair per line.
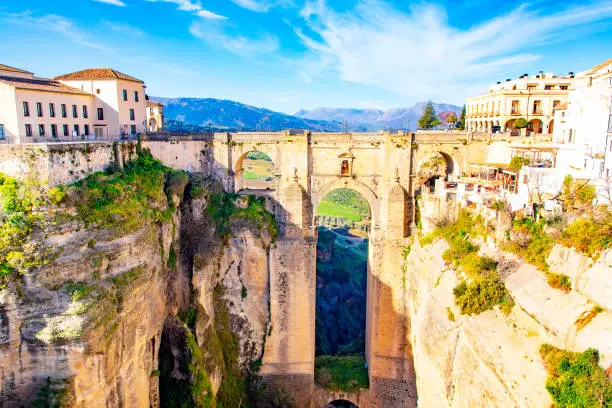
492,359
85,328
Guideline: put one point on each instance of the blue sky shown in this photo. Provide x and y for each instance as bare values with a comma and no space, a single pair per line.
291,54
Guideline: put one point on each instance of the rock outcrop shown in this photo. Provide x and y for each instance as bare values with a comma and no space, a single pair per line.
492,359
85,329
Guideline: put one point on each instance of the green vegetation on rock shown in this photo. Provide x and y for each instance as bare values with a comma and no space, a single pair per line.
341,373
575,379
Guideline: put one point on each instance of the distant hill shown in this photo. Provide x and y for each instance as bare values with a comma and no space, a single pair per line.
376,119
200,113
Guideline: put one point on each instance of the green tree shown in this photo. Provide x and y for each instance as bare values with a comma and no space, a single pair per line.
451,119
520,123
461,122
429,119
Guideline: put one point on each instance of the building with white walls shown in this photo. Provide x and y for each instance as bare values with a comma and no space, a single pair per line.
93,104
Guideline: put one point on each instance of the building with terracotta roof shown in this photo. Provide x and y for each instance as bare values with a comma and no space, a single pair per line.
155,116
92,104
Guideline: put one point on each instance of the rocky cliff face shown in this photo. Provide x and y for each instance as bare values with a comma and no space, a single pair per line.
492,359
87,328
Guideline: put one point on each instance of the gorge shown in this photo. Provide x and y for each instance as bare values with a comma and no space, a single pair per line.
162,282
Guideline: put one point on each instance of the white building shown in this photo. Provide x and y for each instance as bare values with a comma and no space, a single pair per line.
583,122
93,104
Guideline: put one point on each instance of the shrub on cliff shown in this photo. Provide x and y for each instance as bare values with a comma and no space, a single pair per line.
126,199
588,235
530,242
480,294
575,379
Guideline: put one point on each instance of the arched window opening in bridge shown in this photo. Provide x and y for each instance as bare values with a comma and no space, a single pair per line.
437,165
341,404
344,169
343,224
255,171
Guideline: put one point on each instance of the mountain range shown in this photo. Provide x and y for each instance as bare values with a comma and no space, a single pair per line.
198,114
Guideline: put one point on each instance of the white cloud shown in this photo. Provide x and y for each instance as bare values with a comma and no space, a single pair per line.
55,23
113,2
122,28
215,36
209,15
262,6
420,54
192,6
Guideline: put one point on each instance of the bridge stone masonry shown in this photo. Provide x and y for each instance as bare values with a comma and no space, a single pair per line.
383,168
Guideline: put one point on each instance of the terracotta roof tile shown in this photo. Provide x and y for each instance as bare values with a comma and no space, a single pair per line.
98,73
40,84
13,69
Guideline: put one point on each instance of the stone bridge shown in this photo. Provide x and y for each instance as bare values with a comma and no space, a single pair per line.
383,168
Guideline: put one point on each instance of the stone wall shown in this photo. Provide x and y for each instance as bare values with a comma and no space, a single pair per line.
62,163
191,156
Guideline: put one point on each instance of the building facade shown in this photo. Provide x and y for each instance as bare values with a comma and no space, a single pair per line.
93,104
155,116
584,121
533,98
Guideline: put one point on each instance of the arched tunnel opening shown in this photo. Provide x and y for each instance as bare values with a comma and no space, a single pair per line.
341,403
343,225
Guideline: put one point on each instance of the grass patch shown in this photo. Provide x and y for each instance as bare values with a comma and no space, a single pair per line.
575,379
338,210
77,291
450,314
341,373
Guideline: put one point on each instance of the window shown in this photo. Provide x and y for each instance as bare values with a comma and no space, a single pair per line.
549,87
100,113
344,168
76,130
531,87
52,110
86,130
590,82
26,109
515,110
555,104
39,110
537,107
28,130
54,131
132,114
85,111
133,129
66,131
1,131
125,94
75,114
135,96
564,87
41,130
64,114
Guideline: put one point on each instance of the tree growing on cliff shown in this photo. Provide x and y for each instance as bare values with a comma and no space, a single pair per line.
461,122
429,119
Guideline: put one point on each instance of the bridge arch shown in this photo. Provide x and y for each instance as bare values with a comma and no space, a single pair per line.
247,177
349,183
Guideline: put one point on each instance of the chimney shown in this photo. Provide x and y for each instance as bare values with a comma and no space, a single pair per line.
498,82
541,74
571,74
508,80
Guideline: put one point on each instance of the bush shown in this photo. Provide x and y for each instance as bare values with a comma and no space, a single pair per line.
517,163
559,281
575,379
588,236
480,294
531,242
